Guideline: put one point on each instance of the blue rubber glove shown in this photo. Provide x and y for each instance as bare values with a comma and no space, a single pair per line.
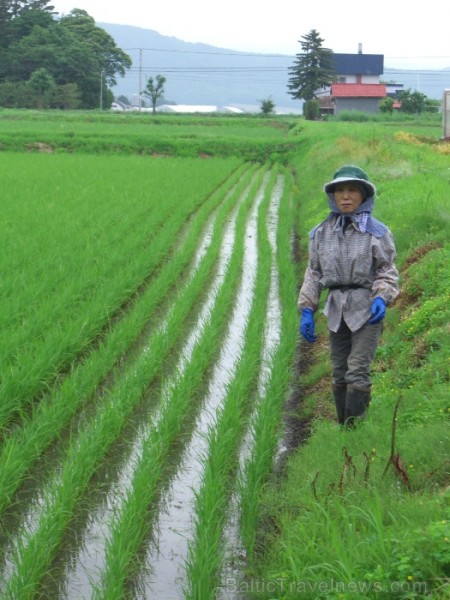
307,324
378,310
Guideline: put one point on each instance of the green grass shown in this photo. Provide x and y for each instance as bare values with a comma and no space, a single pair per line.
343,513
255,138
96,246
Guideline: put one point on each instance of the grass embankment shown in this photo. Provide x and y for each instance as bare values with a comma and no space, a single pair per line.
363,512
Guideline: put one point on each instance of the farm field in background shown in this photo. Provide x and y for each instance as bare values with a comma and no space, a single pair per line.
135,133
150,360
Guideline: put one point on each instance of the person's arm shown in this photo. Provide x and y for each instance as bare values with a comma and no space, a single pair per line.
385,285
311,288
308,299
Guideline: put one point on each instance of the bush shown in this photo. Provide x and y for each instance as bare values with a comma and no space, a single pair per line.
311,110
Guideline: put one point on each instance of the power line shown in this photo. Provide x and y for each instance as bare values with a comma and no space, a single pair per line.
270,55
236,53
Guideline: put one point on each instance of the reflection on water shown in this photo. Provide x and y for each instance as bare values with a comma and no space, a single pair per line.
168,555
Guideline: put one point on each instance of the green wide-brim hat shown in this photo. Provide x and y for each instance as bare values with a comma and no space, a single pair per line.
351,173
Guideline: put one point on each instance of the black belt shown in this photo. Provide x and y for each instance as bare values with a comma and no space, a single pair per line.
344,288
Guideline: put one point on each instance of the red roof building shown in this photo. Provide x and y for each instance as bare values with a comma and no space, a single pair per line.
356,85
363,97
358,90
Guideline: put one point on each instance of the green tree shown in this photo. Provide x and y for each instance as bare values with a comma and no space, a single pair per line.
267,106
14,14
72,49
41,84
311,110
312,69
432,105
104,55
15,95
154,89
66,96
412,102
386,105
123,99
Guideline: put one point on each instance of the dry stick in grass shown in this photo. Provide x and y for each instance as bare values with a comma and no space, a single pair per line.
367,468
313,484
348,464
395,458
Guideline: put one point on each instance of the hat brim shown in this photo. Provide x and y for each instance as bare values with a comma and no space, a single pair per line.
367,185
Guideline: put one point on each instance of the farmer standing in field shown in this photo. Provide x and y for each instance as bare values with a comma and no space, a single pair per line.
352,255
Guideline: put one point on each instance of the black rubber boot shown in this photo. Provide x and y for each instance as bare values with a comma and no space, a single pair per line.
339,395
356,404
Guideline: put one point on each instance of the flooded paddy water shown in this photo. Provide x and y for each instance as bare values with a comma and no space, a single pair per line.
79,568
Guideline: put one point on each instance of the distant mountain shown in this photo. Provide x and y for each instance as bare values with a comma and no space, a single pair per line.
199,73
203,74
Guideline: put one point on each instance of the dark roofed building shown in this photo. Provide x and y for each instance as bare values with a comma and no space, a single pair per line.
356,85
354,65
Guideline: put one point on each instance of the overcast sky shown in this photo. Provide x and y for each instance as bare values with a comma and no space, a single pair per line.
409,38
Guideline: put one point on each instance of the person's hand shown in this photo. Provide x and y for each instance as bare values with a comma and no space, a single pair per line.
378,310
307,324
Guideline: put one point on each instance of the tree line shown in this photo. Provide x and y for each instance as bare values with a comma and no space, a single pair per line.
47,61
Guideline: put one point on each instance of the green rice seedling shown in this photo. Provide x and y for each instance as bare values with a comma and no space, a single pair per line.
131,528
86,453
266,426
205,556
218,229
21,449
59,326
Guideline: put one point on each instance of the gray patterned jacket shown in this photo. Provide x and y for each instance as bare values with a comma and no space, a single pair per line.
356,259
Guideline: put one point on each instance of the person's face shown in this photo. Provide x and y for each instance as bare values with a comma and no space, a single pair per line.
348,196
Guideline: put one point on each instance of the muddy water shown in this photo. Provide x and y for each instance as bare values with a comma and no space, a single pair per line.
234,549
81,567
83,571
167,555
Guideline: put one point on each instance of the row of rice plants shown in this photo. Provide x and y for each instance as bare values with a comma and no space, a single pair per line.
93,540
89,448
46,328
184,396
20,450
181,261
141,444
226,434
266,426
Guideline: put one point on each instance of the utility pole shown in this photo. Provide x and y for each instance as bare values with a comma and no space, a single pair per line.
102,72
140,78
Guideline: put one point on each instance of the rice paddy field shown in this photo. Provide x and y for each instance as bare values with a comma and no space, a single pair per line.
150,359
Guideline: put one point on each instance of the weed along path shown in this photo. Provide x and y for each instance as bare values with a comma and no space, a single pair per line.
127,485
